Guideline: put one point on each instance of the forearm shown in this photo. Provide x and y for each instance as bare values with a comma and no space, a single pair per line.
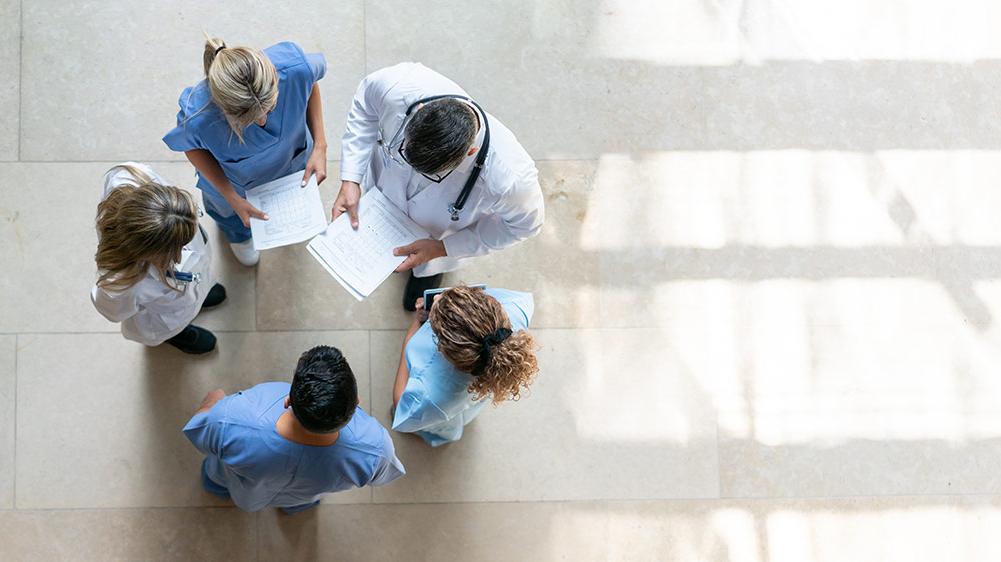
314,118
209,168
402,371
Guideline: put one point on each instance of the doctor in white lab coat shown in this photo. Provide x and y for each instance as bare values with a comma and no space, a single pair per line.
150,311
386,148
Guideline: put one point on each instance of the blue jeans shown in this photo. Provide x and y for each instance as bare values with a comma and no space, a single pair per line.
231,226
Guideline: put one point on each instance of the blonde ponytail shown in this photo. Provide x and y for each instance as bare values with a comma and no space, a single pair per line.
474,335
243,82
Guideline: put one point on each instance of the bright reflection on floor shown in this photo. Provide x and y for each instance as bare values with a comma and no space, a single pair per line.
617,400
815,297
719,32
856,530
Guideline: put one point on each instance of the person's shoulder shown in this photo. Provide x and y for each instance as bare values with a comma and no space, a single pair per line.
286,54
400,69
246,406
364,435
505,296
507,161
194,98
520,306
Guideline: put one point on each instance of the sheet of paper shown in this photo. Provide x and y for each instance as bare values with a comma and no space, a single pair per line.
294,213
362,259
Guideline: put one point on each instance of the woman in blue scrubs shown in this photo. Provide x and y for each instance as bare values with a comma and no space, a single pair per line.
256,117
471,347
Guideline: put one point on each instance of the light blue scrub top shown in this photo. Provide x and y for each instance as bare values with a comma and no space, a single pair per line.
435,403
260,468
277,149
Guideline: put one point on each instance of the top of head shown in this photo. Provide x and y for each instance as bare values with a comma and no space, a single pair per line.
439,134
324,391
243,82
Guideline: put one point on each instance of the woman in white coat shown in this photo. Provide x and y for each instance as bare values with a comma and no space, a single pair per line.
417,137
153,262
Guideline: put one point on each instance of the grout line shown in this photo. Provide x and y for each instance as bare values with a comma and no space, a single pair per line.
14,467
370,375
725,500
333,330
364,36
20,78
257,535
337,160
719,463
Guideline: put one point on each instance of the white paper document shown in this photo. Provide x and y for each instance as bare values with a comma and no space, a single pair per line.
294,213
362,259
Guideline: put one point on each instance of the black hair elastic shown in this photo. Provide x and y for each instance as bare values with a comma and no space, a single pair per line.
489,342
219,49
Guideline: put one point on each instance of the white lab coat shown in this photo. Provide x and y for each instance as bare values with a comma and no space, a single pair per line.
151,312
504,207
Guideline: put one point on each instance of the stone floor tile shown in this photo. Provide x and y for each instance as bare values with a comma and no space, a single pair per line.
100,418
92,92
607,407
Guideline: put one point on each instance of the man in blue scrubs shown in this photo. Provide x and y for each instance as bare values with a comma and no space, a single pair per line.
281,445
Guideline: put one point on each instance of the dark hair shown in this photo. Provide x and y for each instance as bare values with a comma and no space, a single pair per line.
324,392
439,135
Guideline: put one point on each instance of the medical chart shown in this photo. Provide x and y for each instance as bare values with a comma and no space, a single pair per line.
294,213
360,260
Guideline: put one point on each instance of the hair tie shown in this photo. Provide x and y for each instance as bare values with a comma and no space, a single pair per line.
221,47
486,349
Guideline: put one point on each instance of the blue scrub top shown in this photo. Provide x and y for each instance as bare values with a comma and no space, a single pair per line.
260,468
277,149
435,404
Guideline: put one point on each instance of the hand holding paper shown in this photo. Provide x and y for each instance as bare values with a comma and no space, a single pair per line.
362,259
419,252
294,213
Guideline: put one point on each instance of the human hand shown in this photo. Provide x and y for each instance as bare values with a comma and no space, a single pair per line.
347,201
419,252
210,400
317,164
245,210
420,315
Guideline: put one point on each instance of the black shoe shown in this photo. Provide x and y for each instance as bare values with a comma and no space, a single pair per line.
193,340
217,294
416,287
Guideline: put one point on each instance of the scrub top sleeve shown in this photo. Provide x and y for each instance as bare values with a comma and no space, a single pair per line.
182,138
389,468
318,64
205,431
414,412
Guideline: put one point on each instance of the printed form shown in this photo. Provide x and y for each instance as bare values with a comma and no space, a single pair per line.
294,213
360,260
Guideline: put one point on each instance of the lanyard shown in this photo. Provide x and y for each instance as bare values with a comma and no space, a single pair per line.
186,276
456,207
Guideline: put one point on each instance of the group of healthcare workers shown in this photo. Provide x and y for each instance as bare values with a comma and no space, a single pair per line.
434,152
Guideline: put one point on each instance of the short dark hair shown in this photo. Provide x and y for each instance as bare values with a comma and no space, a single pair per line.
439,135
324,392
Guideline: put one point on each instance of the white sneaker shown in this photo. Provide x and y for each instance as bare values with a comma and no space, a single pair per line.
245,253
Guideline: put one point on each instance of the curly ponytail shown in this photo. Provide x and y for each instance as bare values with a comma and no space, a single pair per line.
474,334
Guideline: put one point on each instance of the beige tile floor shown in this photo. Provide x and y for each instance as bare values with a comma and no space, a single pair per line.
768,290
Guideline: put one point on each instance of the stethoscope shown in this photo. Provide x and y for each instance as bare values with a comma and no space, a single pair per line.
186,277
455,207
